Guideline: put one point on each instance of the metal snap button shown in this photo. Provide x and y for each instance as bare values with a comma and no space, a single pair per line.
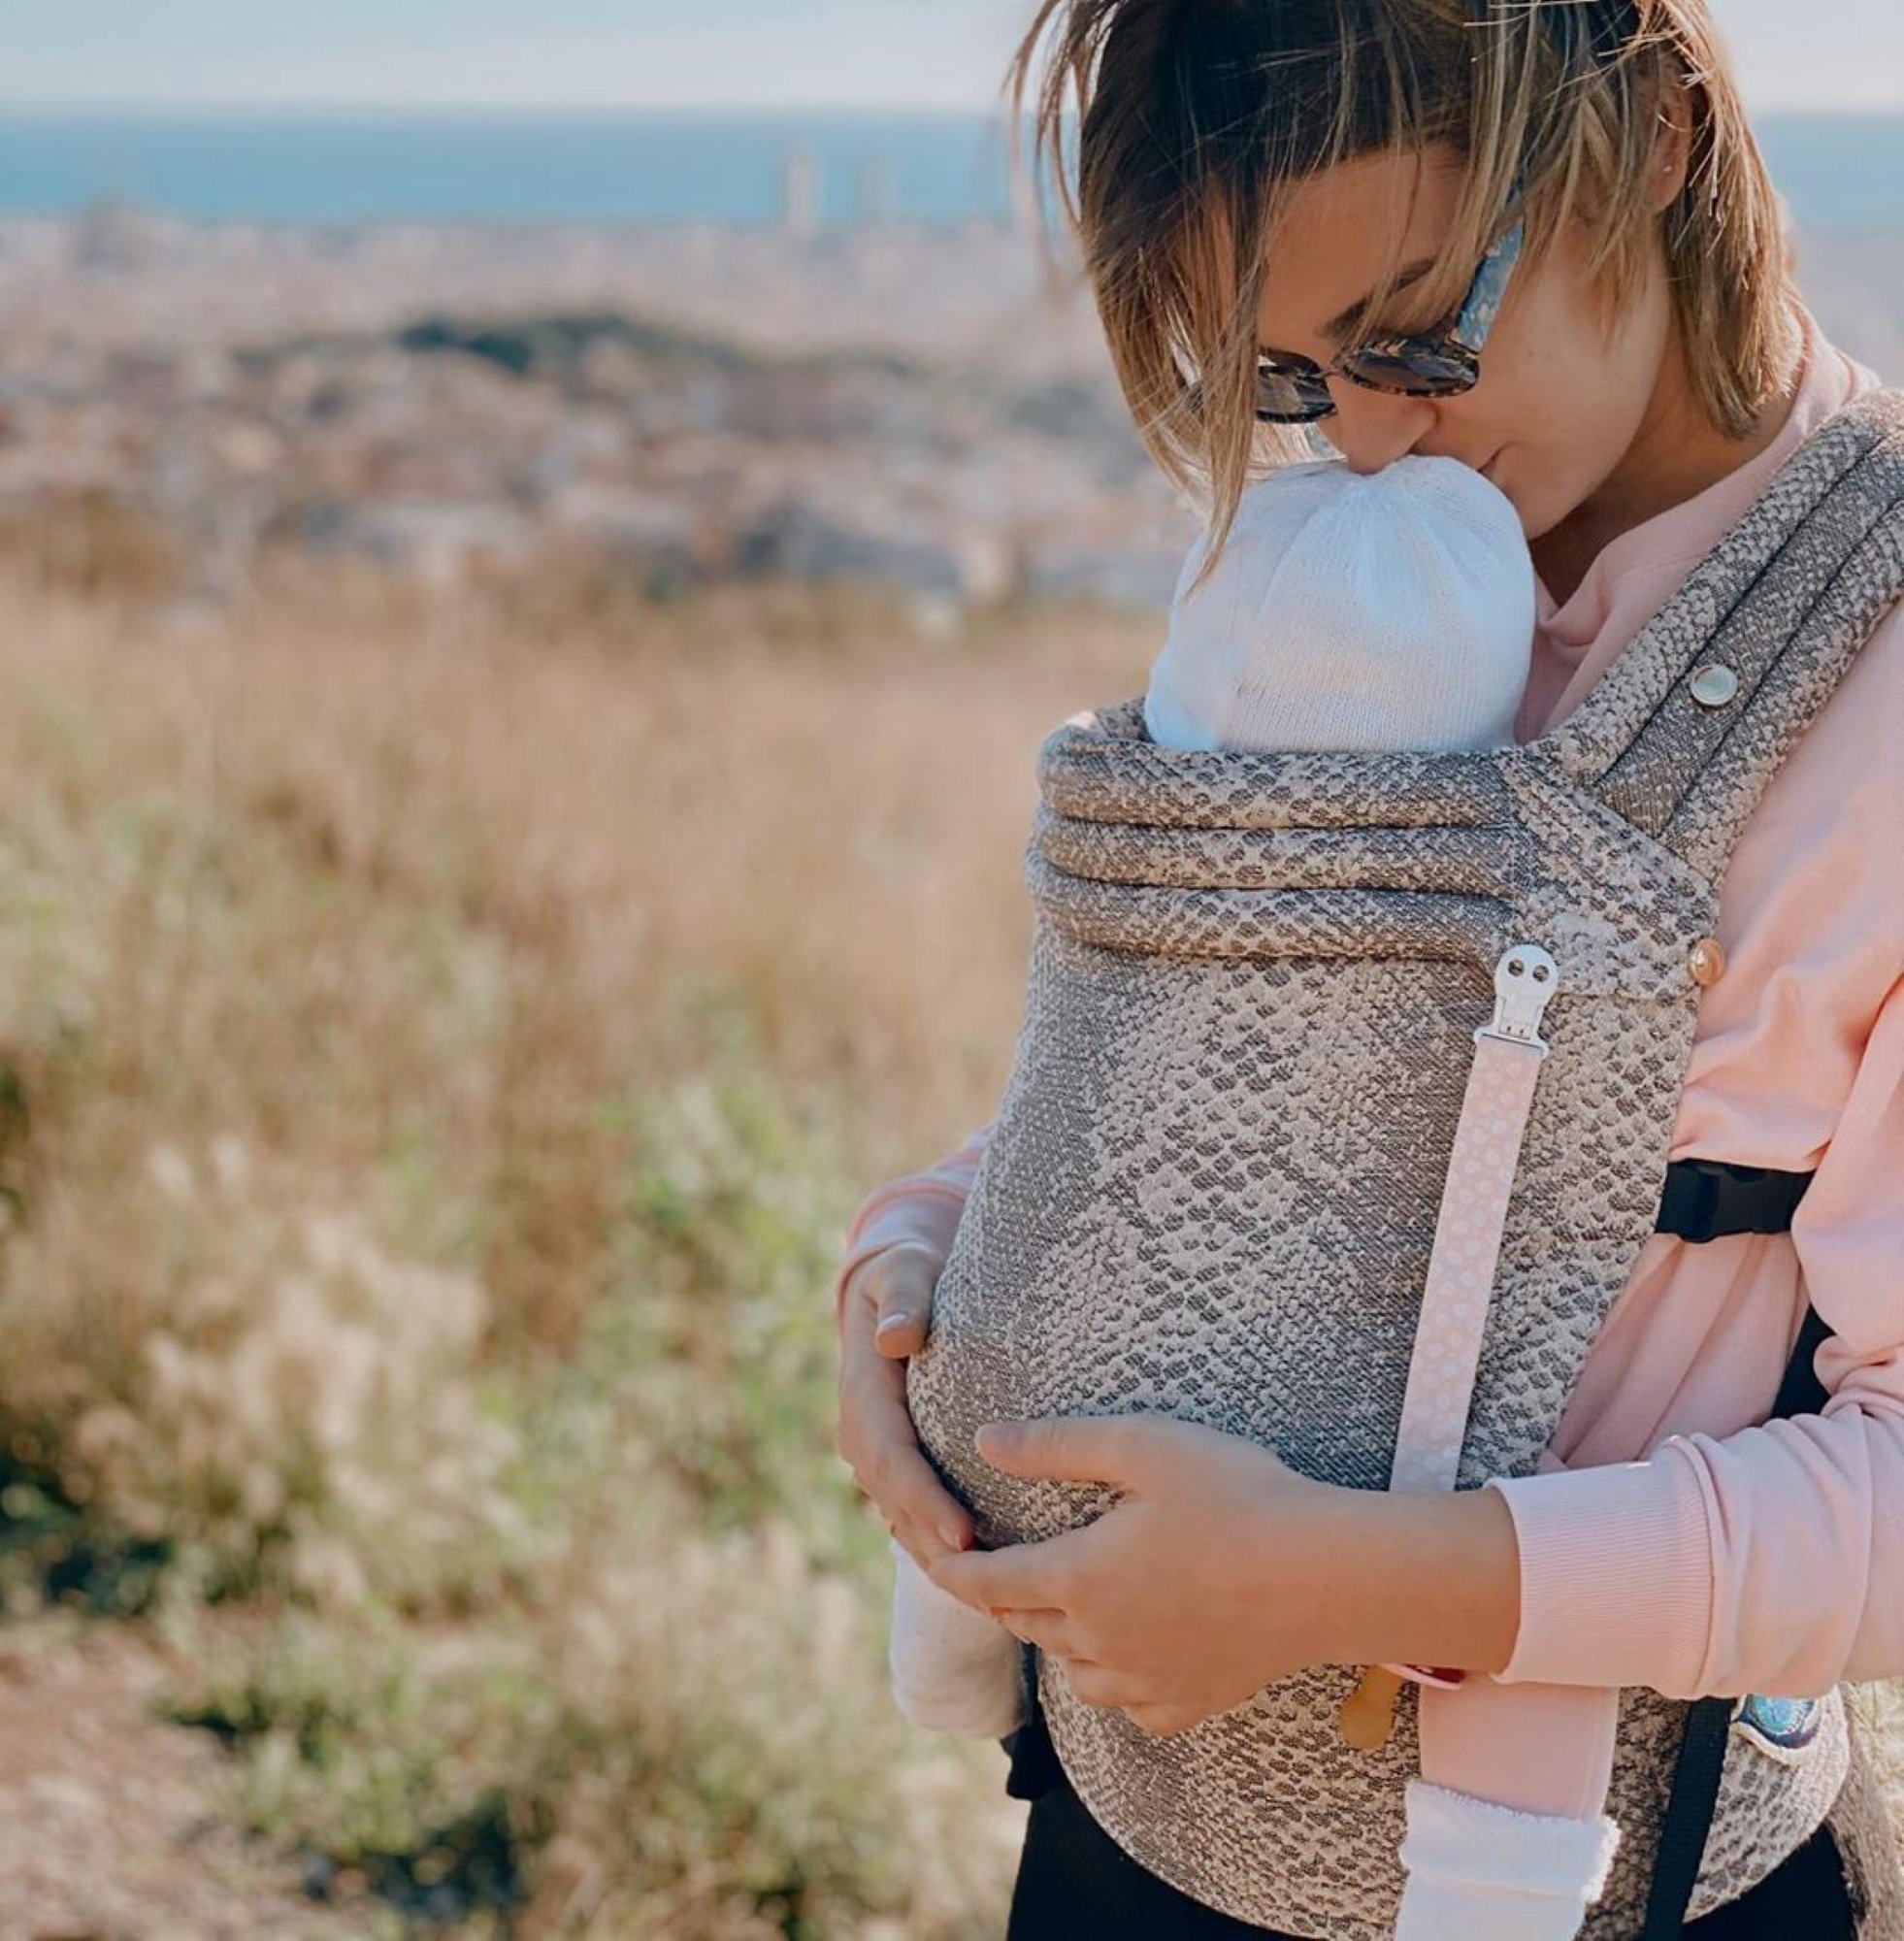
1714,684
1707,962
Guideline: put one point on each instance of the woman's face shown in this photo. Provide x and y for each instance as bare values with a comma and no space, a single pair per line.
1559,406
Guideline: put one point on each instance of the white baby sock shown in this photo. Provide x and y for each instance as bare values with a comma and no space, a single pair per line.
1482,1872
953,1668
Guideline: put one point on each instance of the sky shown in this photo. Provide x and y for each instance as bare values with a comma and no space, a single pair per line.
942,54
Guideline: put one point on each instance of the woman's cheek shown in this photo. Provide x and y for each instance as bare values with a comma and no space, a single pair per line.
1543,497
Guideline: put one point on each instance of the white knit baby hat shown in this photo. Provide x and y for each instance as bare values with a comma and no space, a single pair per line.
1380,609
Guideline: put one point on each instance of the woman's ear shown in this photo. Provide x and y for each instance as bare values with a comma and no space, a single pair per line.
1672,145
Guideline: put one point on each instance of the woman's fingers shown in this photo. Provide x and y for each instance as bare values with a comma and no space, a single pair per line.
897,1283
1099,1685
1096,1685
1053,1573
1050,1630
875,1439
1161,1721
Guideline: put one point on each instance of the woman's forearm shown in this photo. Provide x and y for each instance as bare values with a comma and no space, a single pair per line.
1421,1579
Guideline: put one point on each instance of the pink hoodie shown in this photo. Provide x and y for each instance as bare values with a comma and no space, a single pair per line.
1668,1541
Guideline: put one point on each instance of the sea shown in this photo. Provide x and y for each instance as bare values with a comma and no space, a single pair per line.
839,167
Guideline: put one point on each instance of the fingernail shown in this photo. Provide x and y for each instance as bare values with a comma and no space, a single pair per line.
953,1535
892,1321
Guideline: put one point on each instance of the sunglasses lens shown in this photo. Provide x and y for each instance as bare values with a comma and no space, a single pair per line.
1291,397
1422,367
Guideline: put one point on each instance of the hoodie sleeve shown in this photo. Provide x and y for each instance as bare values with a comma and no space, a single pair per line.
923,1207
1770,1559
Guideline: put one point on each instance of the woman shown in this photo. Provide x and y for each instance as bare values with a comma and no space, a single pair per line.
1261,190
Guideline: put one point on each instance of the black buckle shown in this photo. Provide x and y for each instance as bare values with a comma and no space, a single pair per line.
1705,1197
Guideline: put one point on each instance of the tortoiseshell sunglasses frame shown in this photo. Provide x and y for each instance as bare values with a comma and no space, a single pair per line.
1448,360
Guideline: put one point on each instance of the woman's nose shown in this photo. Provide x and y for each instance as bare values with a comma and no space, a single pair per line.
1373,429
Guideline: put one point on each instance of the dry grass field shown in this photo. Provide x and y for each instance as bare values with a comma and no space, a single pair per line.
441,1042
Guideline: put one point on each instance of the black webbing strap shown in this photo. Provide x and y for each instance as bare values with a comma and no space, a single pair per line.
1034,1763
1708,1721
1689,1817
1705,1197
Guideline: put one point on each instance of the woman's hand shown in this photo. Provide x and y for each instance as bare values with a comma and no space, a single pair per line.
1207,1579
1219,1569
885,1314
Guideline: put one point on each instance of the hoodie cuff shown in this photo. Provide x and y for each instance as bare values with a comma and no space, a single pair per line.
1616,1575
924,1213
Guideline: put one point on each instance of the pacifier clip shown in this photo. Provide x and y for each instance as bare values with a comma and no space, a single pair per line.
1508,1050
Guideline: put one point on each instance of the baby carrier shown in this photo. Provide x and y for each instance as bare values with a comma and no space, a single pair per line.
1338,1114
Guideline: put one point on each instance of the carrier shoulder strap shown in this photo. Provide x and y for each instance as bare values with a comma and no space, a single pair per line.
1729,675
1686,731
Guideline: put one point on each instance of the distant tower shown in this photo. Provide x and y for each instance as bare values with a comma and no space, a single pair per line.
877,199
800,193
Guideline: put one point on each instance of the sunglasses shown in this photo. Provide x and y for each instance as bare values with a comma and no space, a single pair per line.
1440,364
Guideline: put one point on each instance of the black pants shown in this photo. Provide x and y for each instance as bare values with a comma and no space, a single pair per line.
1074,1880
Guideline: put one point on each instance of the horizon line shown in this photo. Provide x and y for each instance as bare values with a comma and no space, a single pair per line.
474,105
135,104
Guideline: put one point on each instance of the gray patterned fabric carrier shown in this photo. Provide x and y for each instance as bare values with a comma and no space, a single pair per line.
1212,1186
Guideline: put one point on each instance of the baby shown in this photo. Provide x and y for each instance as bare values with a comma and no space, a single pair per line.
1391,609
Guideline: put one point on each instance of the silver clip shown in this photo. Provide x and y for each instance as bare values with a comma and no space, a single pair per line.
1525,979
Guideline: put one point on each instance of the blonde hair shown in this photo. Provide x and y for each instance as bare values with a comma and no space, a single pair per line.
1196,118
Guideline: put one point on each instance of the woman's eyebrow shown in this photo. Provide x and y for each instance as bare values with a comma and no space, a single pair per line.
1340,325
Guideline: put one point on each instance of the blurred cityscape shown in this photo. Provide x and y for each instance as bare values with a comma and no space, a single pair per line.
925,405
